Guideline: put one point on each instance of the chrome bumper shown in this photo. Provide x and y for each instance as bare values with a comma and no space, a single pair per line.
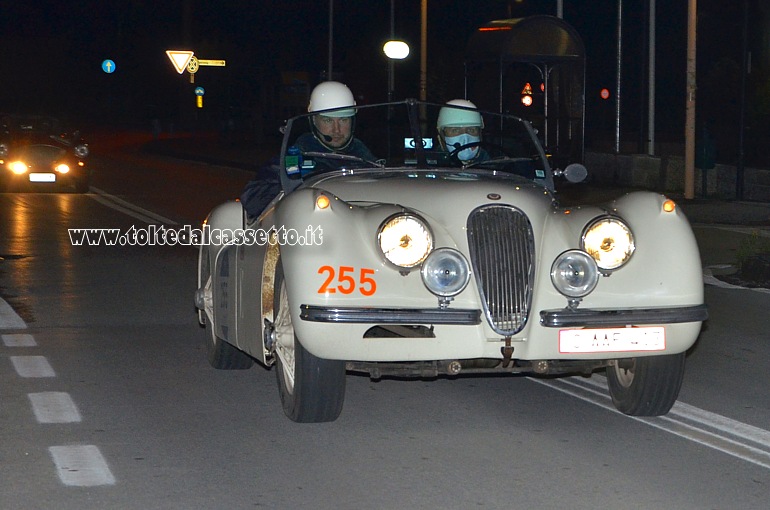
566,318
351,315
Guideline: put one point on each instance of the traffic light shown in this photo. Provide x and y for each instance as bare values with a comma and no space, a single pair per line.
526,95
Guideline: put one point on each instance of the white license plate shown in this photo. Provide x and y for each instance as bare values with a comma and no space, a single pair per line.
47,177
641,339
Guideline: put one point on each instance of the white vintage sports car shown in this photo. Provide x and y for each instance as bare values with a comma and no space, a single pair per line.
424,264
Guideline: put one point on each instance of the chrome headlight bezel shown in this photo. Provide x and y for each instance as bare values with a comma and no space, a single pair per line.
574,274
431,269
610,241
404,240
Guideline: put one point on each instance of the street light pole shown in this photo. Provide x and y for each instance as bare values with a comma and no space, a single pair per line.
331,39
689,134
424,51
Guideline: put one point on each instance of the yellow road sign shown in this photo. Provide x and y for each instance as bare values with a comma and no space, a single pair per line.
220,63
192,65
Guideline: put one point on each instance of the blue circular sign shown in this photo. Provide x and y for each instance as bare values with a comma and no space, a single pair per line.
108,66
199,91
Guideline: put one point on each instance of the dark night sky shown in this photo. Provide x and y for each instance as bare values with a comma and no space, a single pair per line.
51,51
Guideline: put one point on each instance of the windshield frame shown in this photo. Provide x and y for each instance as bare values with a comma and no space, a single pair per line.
422,133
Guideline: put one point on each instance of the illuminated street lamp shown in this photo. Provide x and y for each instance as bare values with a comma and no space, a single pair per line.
394,50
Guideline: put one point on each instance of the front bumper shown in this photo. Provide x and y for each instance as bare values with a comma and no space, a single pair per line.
359,315
561,318
575,318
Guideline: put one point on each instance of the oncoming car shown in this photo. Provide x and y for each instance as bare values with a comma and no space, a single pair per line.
36,153
424,263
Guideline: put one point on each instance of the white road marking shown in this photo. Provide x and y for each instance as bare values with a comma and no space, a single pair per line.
9,319
81,465
19,340
32,366
726,435
54,407
128,208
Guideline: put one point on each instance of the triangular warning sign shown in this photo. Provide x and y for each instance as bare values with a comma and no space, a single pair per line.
527,89
180,59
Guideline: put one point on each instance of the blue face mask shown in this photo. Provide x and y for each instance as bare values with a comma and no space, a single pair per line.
452,142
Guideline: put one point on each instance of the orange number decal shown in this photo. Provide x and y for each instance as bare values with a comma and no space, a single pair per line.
345,278
368,285
325,286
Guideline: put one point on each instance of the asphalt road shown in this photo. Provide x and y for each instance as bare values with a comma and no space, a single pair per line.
107,401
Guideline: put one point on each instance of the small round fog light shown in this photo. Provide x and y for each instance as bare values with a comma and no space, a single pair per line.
445,272
574,274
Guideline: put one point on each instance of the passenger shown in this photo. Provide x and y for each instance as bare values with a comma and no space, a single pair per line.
460,132
331,132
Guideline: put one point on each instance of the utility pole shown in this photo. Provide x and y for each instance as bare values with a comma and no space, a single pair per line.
689,135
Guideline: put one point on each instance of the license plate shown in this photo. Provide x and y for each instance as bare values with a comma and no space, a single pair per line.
47,177
642,339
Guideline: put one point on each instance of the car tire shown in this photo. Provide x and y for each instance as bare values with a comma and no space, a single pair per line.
221,355
312,389
646,386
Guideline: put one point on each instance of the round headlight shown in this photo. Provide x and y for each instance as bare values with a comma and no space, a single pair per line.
405,240
445,272
81,150
574,274
62,168
609,241
18,167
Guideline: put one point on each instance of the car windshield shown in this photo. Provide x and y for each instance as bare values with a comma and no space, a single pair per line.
32,124
405,136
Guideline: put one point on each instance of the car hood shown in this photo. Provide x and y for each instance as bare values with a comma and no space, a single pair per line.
440,193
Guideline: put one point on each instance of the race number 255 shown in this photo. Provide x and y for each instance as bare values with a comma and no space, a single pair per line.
346,280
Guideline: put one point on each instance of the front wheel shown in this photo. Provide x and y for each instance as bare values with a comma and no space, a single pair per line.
312,389
646,386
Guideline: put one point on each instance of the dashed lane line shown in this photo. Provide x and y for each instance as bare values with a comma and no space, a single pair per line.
32,366
19,340
81,465
54,407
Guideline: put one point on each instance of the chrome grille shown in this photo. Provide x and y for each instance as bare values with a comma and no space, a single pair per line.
502,250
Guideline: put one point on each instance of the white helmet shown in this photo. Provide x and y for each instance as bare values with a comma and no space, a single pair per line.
452,117
332,94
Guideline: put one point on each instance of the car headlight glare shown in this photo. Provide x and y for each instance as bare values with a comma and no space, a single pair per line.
62,168
445,272
81,150
574,274
405,240
609,241
18,167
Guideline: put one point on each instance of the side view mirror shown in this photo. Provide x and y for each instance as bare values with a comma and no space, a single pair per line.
574,173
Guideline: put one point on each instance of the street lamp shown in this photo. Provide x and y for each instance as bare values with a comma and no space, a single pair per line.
394,50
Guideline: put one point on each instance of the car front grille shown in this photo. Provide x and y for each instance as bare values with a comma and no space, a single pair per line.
502,249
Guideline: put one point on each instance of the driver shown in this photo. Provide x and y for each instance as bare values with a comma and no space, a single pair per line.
333,131
460,132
